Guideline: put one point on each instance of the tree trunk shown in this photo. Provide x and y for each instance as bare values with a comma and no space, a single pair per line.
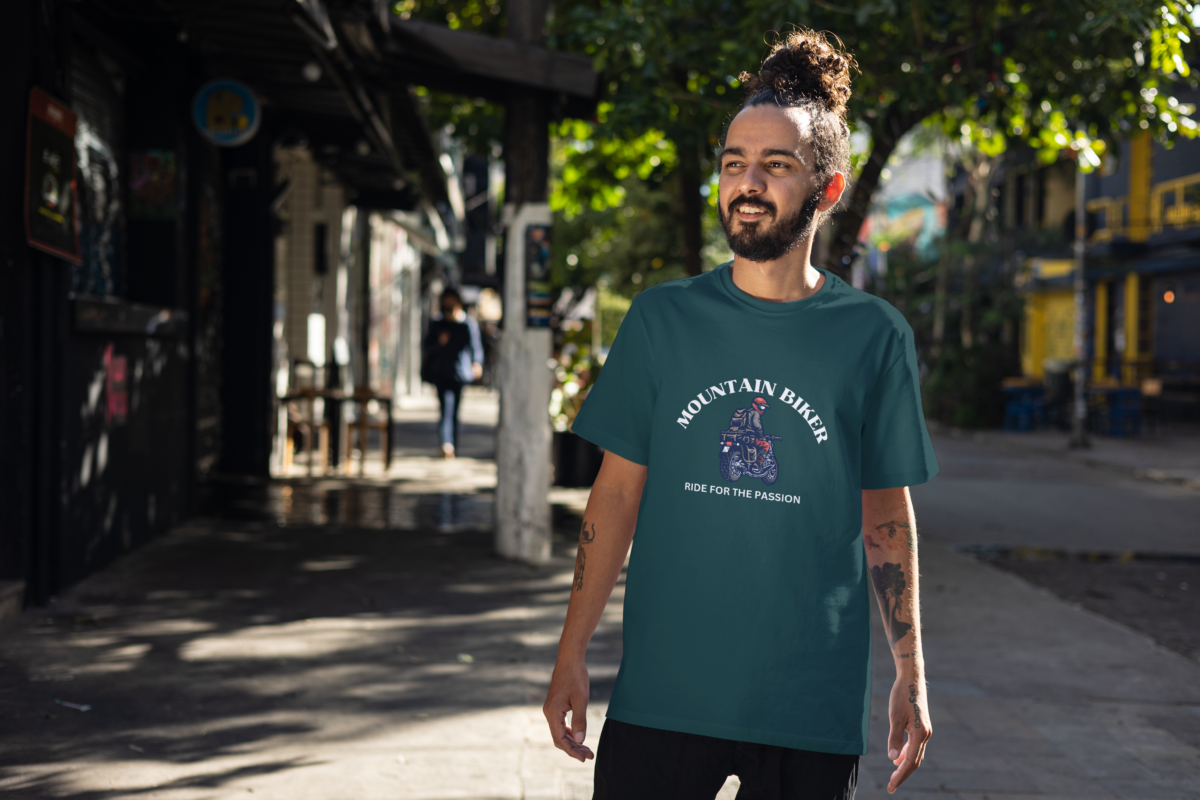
976,206
939,297
692,206
523,436
966,326
884,138
526,147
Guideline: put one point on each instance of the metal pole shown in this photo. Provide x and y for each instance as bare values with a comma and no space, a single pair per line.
1079,435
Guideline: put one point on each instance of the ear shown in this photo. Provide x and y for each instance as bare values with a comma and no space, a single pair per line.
833,192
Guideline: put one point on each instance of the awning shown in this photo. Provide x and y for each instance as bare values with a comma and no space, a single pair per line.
481,66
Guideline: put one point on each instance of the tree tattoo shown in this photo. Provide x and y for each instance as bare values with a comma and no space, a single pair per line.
585,537
889,586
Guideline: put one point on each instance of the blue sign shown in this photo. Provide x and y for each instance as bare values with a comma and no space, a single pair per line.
226,113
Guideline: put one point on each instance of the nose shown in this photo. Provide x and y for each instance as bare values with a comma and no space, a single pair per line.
752,182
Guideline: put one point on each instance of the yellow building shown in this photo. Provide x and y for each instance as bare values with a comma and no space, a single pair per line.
1142,306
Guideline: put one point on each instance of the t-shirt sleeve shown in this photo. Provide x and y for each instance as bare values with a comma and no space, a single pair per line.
896,450
616,415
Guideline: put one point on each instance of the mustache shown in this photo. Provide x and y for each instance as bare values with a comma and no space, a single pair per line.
743,200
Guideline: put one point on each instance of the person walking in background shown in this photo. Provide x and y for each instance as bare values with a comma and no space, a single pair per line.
451,357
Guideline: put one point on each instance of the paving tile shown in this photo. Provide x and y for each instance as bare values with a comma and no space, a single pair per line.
954,780
994,796
1154,789
1057,774
1096,756
988,719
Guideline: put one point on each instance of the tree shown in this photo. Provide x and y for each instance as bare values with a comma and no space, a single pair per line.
668,71
1056,76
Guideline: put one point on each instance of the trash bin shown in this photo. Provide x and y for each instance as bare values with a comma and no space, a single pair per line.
576,460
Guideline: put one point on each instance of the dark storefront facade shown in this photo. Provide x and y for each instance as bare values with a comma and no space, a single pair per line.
139,365
112,360
137,356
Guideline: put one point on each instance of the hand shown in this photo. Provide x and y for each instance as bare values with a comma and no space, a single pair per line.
569,688
477,370
909,713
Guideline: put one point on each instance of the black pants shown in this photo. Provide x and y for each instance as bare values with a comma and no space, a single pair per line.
637,763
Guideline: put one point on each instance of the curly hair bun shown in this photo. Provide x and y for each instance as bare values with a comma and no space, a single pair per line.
805,66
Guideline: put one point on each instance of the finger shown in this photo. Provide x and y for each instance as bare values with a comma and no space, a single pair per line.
574,749
906,768
896,740
556,716
579,720
911,757
924,740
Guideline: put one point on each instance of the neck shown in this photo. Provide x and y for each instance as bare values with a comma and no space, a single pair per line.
781,281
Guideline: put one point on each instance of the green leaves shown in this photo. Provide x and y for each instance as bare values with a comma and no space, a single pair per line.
589,169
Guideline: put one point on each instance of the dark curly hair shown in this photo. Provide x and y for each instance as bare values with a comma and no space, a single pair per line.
807,70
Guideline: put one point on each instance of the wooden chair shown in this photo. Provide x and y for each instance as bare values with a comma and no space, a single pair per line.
300,419
365,421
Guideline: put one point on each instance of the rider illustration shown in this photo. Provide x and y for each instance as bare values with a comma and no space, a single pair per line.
745,448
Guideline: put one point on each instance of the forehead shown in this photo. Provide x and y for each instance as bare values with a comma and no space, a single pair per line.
760,128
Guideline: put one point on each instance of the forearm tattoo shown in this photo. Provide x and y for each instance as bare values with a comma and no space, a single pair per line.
586,536
889,586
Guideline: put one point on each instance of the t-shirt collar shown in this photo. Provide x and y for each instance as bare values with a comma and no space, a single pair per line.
725,278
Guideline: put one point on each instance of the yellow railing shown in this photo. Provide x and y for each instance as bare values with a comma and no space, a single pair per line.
1184,211
1173,204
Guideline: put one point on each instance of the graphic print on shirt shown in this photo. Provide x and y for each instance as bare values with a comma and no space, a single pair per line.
761,389
746,449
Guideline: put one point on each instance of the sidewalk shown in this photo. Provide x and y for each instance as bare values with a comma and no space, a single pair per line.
339,638
229,659
1169,458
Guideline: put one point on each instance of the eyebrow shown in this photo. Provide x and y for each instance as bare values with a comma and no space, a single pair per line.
774,151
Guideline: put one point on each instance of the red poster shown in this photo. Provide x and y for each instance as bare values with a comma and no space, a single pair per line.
50,192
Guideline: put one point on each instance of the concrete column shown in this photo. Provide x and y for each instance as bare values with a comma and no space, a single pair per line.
523,438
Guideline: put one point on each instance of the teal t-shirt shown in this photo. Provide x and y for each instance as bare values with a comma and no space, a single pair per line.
746,600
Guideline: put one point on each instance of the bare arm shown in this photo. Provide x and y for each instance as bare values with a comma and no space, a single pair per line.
604,540
890,539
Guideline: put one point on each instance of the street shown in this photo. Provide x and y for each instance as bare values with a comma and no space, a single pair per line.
333,639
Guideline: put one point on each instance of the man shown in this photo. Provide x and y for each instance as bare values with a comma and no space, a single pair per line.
746,629
748,421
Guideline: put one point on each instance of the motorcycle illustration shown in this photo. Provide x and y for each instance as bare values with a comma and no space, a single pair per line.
741,455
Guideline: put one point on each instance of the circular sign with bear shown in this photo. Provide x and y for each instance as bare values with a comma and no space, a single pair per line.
226,112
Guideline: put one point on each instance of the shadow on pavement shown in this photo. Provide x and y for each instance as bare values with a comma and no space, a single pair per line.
293,622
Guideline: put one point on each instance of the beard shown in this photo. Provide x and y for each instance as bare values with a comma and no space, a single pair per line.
755,243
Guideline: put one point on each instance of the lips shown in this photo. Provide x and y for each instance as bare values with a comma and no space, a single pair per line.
748,210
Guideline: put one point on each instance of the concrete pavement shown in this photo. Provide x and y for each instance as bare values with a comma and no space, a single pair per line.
992,491
332,639
1168,457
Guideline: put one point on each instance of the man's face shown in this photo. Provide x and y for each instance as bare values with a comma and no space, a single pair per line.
768,194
